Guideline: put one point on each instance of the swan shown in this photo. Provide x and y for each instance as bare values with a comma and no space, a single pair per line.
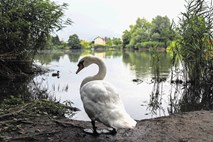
101,100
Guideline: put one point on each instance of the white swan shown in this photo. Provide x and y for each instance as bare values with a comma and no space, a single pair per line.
100,99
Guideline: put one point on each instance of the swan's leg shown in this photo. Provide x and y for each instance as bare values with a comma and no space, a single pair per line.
92,131
113,132
94,128
110,131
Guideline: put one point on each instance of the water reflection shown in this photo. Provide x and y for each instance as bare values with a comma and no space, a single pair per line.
158,79
22,89
192,95
143,80
141,63
132,74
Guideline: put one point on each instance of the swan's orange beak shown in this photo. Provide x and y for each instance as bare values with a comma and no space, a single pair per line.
80,67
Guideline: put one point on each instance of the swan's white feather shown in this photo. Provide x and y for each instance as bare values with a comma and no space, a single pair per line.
102,103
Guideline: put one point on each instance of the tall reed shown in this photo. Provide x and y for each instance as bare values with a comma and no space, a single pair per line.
194,49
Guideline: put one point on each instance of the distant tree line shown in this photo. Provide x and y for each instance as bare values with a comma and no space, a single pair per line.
74,42
145,34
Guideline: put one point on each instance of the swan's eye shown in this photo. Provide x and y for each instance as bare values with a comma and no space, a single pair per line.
81,63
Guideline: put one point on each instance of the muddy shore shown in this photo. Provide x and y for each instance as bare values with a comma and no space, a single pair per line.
184,127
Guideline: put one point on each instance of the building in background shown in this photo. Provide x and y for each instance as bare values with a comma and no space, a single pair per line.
99,41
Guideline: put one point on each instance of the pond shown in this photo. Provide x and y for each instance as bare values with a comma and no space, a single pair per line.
130,72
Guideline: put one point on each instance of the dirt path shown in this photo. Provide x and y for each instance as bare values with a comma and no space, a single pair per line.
186,127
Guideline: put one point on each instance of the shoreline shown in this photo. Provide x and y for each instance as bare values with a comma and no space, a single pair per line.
189,126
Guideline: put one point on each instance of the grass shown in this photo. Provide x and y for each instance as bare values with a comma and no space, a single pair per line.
16,106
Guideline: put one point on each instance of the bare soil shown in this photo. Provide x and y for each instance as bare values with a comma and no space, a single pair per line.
185,127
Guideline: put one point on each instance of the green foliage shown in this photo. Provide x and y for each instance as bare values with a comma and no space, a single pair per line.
44,107
193,48
114,42
74,42
1,137
56,40
85,44
150,44
173,49
195,32
142,61
161,30
54,43
126,38
26,24
25,28
146,34
109,42
139,32
11,102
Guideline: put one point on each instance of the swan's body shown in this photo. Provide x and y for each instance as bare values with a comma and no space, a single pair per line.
101,100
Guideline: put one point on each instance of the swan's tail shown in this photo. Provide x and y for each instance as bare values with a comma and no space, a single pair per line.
126,122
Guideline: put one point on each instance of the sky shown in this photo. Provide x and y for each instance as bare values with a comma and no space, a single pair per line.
110,18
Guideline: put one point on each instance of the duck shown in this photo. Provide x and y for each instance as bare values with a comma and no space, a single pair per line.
55,74
101,100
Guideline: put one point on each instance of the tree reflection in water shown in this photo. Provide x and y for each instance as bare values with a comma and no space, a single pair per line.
194,50
198,94
22,89
155,103
30,89
185,94
181,95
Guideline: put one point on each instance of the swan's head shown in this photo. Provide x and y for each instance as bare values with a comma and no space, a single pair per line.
84,62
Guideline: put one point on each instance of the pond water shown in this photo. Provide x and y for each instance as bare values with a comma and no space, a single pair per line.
132,73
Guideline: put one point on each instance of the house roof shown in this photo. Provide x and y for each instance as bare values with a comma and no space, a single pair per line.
99,37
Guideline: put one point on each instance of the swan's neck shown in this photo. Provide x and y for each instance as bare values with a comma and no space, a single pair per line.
100,75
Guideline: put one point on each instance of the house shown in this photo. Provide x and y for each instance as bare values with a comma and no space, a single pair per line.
99,41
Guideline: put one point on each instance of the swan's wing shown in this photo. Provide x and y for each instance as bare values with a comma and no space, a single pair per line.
101,102
99,99
100,92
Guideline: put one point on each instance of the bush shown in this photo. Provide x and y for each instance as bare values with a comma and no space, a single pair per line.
25,27
26,24
150,44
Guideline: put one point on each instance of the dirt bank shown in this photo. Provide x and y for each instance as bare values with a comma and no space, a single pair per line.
185,127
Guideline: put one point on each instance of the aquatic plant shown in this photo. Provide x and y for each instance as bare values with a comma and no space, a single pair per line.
194,52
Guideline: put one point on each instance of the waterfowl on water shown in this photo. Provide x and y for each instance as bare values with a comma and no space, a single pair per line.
55,74
101,100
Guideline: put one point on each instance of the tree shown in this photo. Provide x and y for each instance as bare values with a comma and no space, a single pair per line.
74,42
143,29
108,41
113,42
145,34
26,25
85,44
56,40
126,38
116,41
161,30
139,32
